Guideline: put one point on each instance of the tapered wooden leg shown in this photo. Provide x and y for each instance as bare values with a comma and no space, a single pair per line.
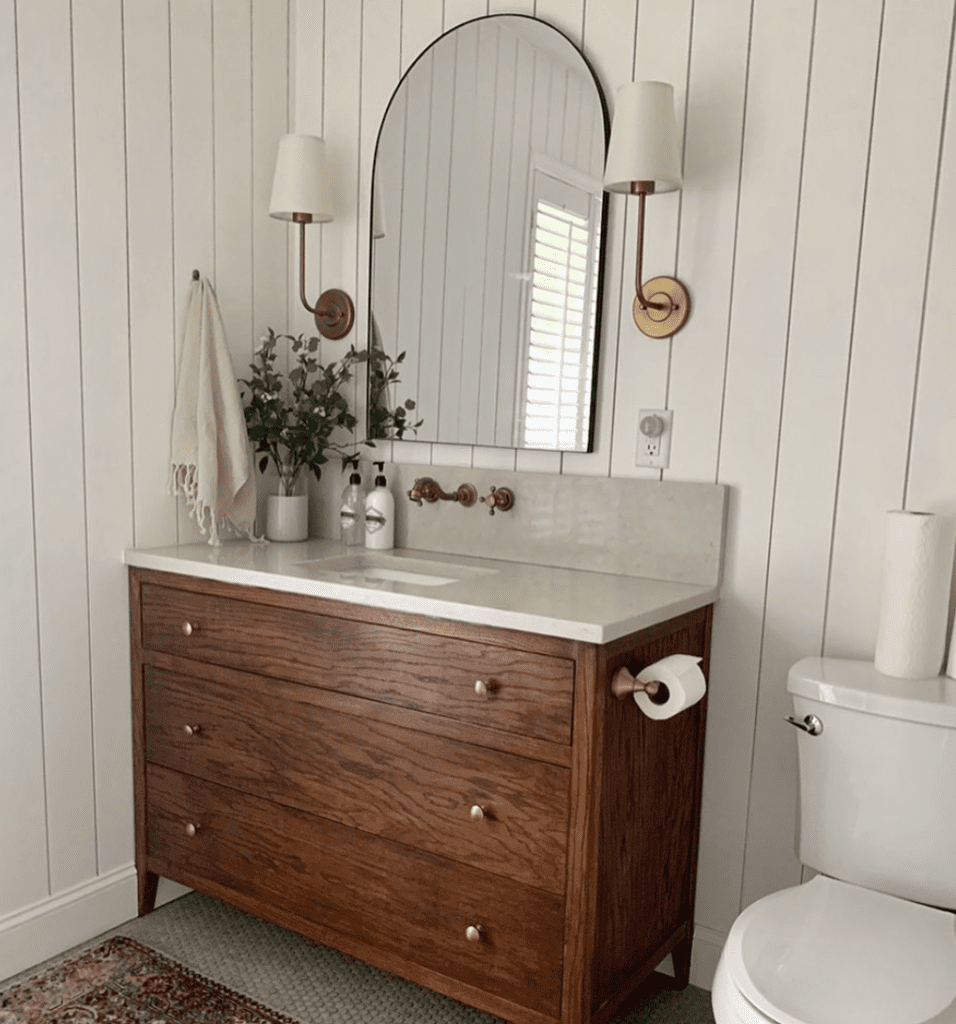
146,882
681,957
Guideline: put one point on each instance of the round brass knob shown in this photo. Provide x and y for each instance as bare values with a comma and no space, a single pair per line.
191,829
188,628
474,933
477,812
191,730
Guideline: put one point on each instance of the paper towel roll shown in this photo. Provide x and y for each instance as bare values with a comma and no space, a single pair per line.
914,602
685,683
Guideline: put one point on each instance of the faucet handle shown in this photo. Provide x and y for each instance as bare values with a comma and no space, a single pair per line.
501,498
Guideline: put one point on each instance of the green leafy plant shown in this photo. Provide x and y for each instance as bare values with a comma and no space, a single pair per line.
297,422
385,422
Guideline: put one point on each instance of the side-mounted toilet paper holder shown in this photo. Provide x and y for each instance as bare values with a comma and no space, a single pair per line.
624,684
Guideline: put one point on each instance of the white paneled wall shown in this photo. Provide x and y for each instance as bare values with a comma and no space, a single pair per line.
816,232
138,139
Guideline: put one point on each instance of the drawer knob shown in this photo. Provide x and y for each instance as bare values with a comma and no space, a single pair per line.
192,730
474,933
477,812
191,829
483,689
188,628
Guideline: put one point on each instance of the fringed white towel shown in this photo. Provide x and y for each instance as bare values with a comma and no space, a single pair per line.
210,462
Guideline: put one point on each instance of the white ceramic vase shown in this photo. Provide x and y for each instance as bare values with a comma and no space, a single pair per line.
287,517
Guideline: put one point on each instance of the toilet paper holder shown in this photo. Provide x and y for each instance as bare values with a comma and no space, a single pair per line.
624,684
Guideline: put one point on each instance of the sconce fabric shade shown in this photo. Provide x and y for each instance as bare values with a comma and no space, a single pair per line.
644,142
300,185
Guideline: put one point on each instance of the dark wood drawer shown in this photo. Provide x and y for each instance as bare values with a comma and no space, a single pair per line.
398,783
414,905
528,693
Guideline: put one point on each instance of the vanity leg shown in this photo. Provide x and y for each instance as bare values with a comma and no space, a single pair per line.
680,954
146,882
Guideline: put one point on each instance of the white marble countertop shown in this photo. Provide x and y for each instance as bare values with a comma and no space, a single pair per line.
572,603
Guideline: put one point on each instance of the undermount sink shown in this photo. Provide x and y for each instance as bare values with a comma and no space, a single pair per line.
373,569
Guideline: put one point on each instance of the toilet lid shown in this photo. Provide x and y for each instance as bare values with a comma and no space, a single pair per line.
828,952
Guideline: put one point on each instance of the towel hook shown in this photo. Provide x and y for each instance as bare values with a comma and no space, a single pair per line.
195,275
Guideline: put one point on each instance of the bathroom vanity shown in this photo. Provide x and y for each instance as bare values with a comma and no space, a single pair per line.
434,778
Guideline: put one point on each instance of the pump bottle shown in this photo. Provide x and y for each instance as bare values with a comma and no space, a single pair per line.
352,509
380,514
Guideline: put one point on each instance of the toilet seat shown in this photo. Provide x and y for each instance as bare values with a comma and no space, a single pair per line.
828,952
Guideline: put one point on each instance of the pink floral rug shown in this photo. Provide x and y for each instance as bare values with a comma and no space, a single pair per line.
122,982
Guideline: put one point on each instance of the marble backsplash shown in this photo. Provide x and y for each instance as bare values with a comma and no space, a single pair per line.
667,531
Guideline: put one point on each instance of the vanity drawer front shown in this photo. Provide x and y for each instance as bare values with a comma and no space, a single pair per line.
413,905
401,784
525,693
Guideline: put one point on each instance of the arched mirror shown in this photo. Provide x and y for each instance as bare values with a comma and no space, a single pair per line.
487,239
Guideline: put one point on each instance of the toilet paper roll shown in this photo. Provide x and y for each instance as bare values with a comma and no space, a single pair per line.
914,601
685,683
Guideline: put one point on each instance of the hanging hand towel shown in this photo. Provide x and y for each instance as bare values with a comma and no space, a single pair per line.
211,467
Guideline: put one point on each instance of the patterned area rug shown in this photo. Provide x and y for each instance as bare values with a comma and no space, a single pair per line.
122,982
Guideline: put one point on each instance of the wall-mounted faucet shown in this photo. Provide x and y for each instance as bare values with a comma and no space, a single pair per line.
501,498
426,489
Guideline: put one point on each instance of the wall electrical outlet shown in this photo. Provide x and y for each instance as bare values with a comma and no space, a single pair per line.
654,427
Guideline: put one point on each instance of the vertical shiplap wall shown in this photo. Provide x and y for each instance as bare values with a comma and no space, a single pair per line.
816,231
137,141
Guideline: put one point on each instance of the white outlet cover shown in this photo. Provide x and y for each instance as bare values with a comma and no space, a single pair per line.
654,452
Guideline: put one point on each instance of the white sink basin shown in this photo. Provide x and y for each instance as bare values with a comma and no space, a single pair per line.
369,568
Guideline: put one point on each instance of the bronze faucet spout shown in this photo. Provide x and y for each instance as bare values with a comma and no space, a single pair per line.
427,489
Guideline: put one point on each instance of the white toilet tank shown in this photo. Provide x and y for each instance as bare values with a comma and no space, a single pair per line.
878,784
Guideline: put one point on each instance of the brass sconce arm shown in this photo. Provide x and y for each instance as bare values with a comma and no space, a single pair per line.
661,307
334,312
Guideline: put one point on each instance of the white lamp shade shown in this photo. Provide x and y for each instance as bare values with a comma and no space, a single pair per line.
299,185
644,143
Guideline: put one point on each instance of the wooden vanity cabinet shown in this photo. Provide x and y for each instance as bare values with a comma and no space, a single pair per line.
466,807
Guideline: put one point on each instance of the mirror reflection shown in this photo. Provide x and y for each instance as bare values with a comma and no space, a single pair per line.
487,214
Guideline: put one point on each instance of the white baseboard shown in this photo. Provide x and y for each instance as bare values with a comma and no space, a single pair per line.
704,956
55,924
708,945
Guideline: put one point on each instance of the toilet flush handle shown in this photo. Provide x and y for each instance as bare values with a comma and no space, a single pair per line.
810,724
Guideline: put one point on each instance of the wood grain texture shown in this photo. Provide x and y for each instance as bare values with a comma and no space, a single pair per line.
650,808
345,815
528,694
398,783
413,905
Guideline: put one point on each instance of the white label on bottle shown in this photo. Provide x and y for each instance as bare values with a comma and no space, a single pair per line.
374,520
348,516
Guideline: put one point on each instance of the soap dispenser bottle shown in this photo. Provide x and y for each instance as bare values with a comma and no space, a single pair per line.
380,514
352,509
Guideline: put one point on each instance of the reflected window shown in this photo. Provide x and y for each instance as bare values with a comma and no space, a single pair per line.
558,386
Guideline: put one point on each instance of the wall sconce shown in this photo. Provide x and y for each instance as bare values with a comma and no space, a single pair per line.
643,159
299,194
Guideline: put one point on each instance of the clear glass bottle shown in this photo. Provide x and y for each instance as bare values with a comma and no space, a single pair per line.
352,510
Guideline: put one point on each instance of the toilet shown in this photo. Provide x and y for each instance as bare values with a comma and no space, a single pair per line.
871,939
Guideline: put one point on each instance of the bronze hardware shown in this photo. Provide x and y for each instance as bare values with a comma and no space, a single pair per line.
191,830
474,933
188,628
662,306
426,488
477,812
501,498
623,684
192,730
334,312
